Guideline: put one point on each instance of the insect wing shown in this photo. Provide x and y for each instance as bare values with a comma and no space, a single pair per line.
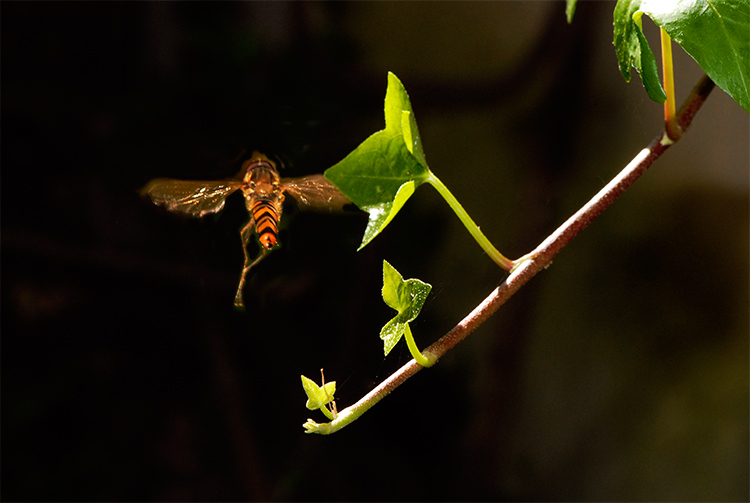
315,193
190,197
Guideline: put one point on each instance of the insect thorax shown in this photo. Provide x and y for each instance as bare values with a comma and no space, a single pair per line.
262,181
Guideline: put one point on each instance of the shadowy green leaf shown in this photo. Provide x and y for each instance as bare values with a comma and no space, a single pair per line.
406,297
627,45
633,49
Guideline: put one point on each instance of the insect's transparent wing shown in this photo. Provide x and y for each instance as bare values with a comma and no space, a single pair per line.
190,197
315,193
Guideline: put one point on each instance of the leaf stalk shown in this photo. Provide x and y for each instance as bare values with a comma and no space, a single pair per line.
473,228
421,359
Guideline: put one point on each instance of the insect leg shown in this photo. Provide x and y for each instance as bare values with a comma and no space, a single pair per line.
238,297
245,233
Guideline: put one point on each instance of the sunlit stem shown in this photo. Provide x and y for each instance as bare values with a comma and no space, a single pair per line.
469,223
670,117
421,359
345,417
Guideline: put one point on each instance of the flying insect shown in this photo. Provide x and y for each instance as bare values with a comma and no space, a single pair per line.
264,192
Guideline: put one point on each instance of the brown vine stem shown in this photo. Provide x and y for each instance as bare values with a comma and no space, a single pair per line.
527,266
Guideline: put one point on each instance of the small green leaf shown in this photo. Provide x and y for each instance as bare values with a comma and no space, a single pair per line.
317,396
716,33
633,49
406,297
376,172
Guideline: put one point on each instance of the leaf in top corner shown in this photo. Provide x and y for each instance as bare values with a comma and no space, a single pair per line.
406,297
716,33
379,169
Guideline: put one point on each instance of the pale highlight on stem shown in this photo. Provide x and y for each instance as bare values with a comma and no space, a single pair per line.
526,267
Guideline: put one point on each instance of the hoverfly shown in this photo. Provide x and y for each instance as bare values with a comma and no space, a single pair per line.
263,189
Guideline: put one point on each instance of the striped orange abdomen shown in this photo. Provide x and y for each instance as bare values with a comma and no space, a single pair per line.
266,215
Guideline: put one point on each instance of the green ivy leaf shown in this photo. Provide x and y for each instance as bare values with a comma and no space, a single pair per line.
716,33
406,297
383,171
317,396
633,50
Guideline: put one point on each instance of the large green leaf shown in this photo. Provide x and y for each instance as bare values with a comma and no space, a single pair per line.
380,175
633,50
716,33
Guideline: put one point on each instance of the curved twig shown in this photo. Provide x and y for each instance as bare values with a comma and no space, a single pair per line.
529,265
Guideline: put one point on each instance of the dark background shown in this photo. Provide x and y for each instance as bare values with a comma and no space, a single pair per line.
621,373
